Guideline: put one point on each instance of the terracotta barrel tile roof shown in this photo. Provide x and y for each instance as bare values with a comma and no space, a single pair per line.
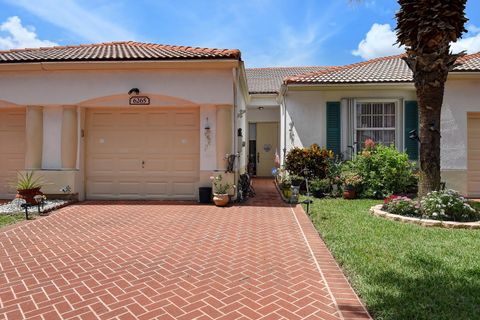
269,80
381,70
115,51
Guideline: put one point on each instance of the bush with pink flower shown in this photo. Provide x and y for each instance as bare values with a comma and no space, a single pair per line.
403,206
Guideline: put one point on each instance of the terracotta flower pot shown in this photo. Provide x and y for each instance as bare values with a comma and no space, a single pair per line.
28,195
349,194
221,200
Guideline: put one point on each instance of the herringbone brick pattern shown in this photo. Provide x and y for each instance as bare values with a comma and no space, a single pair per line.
151,260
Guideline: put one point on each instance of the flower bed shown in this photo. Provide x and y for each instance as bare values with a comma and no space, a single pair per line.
379,212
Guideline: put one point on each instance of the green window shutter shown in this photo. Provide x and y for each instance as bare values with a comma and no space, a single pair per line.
333,127
411,123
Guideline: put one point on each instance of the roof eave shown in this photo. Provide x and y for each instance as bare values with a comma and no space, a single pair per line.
346,85
122,65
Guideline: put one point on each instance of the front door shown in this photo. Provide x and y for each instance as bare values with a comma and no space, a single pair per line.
267,147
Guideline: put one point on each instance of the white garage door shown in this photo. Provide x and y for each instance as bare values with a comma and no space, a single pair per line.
12,149
142,153
473,155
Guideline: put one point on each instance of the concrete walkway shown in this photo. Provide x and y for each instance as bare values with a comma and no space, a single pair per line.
153,260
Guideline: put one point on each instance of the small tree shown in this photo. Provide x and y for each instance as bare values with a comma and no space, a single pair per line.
426,28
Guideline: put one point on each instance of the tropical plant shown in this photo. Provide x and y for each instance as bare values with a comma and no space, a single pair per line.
384,171
426,28
351,180
309,162
27,181
220,187
320,187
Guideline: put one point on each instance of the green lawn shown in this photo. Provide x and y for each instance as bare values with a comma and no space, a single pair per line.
10,219
402,271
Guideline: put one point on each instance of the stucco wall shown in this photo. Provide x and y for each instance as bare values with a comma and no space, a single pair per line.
306,111
73,87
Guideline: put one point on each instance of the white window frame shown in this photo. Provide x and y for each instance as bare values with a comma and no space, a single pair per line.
398,119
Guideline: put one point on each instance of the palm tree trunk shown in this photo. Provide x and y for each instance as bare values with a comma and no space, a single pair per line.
430,99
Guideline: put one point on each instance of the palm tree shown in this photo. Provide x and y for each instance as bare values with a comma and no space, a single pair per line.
426,28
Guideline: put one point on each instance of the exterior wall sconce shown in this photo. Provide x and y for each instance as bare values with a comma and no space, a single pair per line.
292,134
241,113
261,108
207,133
134,90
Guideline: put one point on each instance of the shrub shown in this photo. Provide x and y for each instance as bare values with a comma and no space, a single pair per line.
448,205
314,159
351,180
403,206
384,171
320,187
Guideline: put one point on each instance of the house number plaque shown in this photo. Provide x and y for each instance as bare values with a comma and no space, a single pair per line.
139,101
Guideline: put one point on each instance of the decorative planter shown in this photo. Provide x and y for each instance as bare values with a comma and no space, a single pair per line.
28,195
349,194
287,192
221,200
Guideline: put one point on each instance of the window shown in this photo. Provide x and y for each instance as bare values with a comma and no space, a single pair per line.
376,121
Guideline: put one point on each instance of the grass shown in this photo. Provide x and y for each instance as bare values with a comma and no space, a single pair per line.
7,219
402,271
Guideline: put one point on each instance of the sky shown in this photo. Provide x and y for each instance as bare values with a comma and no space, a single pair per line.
268,32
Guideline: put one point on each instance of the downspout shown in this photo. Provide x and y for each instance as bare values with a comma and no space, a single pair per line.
283,92
234,117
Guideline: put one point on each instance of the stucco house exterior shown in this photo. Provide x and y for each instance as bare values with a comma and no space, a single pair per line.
122,120
131,120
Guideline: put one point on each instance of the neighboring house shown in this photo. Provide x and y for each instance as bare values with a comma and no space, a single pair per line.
73,114
341,107
131,120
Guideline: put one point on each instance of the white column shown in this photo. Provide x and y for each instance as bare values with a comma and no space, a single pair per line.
224,135
34,138
69,138
52,138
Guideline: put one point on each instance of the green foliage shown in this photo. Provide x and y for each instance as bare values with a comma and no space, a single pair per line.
351,180
220,187
27,181
384,171
403,206
314,159
319,187
402,271
448,205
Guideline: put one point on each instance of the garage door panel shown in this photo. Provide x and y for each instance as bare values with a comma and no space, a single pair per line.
158,119
12,149
167,140
185,141
153,188
101,120
158,165
184,188
473,162
186,119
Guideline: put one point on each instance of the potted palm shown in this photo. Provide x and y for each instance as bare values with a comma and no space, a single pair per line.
28,187
220,191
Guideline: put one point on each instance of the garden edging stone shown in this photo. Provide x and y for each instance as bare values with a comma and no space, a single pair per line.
377,211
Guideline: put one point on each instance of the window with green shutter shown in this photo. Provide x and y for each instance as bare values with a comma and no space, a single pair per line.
333,127
411,123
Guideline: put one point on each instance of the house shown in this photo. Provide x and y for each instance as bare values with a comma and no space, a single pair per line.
340,107
123,120
131,120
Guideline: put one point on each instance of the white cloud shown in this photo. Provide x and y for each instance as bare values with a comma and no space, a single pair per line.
72,16
379,41
470,42
19,36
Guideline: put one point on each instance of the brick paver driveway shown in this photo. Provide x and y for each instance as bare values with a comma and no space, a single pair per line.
147,260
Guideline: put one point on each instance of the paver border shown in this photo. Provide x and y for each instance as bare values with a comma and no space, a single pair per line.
346,300
378,212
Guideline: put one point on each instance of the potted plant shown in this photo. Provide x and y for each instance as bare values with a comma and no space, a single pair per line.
28,187
220,191
351,183
320,187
